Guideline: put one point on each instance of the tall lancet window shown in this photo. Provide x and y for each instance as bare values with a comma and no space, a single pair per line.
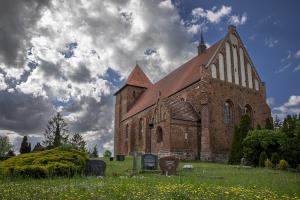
228,63
228,112
221,67
243,74
213,71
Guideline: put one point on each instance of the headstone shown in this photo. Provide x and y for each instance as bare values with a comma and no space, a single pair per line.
188,167
168,165
95,167
149,162
120,157
111,159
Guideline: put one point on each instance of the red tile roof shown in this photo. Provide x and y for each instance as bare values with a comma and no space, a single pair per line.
177,80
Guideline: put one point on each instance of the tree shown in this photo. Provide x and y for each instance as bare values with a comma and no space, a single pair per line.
38,147
277,123
10,153
78,142
56,132
5,146
269,124
236,152
95,152
25,145
107,154
289,125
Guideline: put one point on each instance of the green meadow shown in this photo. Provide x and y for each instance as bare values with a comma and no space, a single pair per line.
206,181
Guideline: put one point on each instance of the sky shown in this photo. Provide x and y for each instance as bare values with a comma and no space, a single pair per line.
71,56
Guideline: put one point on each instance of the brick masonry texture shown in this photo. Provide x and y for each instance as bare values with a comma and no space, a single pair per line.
191,121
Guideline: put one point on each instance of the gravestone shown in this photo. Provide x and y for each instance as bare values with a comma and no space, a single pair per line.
168,165
149,162
111,159
134,155
95,167
120,157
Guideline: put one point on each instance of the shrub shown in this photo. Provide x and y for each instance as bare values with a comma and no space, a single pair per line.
268,164
262,158
60,161
258,141
275,158
283,165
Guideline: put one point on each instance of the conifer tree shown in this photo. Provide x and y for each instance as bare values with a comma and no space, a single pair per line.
25,146
239,134
78,142
56,132
95,152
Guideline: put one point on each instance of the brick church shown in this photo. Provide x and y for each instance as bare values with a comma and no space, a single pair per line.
191,112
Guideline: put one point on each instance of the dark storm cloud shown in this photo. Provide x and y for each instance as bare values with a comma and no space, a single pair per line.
24,113
50,69
17,18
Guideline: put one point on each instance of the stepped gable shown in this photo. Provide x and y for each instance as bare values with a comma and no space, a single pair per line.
177,80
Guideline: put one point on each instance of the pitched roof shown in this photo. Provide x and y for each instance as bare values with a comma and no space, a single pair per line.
137,78
177,80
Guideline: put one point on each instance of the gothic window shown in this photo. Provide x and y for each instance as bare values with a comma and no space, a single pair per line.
221,67
155,116
243,75
248,111
213,71
228,63
249,72
228,112
141,128
133,94
127,131
165,116
159,133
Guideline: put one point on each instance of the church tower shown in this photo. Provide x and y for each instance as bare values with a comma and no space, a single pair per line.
133,88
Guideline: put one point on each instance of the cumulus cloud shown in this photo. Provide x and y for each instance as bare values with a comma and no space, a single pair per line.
238,20
66,56
214,16
291,107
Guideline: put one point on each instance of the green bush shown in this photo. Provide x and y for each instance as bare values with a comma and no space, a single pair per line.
275,158
268,164
262,158
55,162
258,141
283,165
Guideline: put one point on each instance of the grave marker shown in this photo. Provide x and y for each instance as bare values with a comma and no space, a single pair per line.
149,162
95,167
168,165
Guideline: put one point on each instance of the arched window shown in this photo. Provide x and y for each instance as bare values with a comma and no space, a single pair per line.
221,67
228,112
155,116
248,111
159,133
213,71
127,131
141,128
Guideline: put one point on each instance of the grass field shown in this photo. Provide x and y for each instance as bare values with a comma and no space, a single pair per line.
206,181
